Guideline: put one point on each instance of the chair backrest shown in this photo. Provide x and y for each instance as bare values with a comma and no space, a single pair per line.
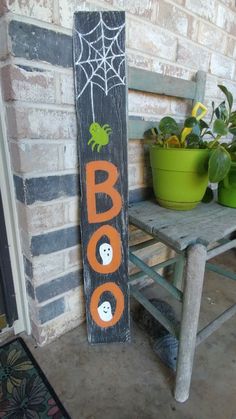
150,82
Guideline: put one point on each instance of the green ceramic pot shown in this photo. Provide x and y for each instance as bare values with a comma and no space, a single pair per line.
227,188
180,176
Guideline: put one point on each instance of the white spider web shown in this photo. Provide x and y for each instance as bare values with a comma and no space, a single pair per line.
101,58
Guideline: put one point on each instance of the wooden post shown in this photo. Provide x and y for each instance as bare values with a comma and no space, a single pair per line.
101,91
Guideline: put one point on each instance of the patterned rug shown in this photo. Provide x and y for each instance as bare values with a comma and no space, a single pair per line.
25,392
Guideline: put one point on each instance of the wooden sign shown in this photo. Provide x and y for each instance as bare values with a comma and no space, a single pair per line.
100,85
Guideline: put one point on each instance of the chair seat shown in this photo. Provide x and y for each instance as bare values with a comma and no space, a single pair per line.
206,224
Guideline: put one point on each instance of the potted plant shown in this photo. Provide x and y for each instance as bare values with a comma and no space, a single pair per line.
227,118
185,158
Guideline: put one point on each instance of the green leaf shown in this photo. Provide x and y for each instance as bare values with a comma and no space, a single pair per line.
225,145
228,95
233,156
232,146
190,122
219,164
168,125
150,133
213,144
232,129
203,124
219,127
232,118
221,112
193,141
151,136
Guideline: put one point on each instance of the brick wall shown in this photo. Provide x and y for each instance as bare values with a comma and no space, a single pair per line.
174,38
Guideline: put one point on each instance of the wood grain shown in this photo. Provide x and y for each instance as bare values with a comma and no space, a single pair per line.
101,98
205,224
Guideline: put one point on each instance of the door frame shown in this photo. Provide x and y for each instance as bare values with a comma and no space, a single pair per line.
12,228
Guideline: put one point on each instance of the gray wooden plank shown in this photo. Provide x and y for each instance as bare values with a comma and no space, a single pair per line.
215,324
200,86
102,145
148,81
137,127
206,224
221,249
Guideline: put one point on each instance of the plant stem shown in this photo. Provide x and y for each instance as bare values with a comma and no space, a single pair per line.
215,141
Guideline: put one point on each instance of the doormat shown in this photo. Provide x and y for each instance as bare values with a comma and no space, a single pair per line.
25,392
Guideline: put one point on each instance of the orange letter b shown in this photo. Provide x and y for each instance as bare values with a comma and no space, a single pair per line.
106,187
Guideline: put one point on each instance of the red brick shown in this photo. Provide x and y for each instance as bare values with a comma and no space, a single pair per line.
3,7
148,104
40,123
226,19
206,9
4,48
30,86
136,175
231,47
67,88
176,20
222,66
38,9
143,8
138,60
151,39
68,7
45,217
135,151
180,107
27,156
212,90
75,303
192,56
73,258
70,156
48,266
211,37
72,212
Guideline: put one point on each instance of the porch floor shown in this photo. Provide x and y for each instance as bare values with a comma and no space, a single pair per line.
127,381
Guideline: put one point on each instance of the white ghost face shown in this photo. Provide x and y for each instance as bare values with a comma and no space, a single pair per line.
104,311
106,253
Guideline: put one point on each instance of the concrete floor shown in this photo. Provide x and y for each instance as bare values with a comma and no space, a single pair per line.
127,381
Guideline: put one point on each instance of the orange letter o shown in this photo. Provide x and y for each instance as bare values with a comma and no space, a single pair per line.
118,294
115,242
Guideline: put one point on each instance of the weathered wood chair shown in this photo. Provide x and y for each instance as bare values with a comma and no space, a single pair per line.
196,236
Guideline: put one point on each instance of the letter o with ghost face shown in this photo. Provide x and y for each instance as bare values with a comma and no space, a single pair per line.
102,314
112,262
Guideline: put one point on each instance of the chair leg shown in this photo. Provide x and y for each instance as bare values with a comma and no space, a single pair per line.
194,275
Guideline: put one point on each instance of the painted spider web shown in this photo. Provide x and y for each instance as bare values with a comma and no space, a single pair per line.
101,57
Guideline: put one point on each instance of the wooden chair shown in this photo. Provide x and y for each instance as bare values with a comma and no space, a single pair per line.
196,236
